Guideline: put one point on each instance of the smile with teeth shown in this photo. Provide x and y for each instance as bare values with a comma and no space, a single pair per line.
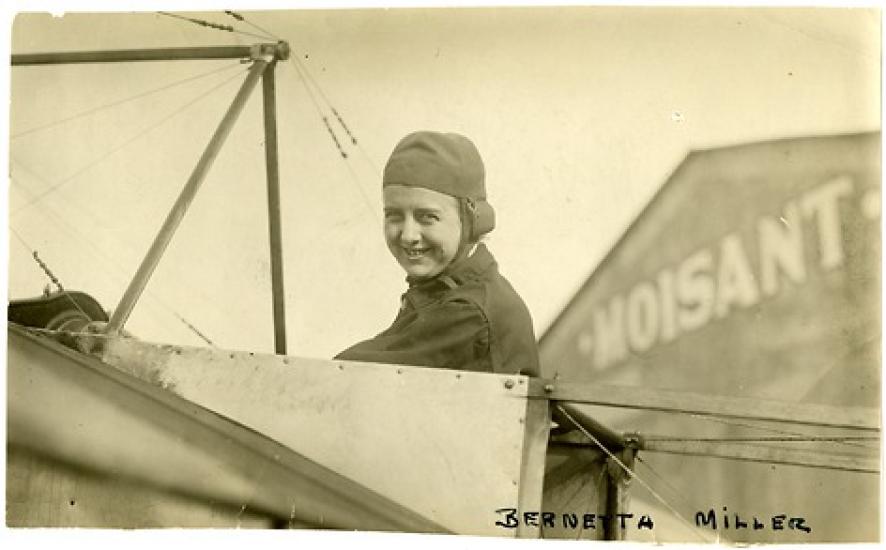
415,253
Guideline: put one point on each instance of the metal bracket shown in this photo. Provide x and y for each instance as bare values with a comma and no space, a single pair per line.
269,52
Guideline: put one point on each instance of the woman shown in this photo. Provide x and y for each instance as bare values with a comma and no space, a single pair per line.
458,311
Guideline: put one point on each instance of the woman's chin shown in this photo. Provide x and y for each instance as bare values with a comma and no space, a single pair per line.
420,271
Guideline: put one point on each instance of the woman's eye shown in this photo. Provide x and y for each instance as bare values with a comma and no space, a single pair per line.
428,218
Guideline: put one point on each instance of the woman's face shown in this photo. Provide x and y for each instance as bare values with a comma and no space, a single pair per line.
422,229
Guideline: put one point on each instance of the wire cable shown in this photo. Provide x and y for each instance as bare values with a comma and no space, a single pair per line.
122,101
49,274
670,486
311,81
211,25
804,439
769,429
239,17
78,238
64,181
633,475
354,178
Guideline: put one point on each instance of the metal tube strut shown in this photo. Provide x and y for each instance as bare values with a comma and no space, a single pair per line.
152,258
279,50
274,222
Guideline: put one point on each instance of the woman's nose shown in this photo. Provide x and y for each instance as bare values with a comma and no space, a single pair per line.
410,232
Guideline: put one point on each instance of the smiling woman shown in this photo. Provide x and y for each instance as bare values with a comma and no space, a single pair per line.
458,312
422,229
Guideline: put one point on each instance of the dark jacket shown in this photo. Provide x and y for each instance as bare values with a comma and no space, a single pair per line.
467,318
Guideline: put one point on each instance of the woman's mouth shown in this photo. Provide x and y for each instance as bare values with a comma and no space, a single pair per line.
415,253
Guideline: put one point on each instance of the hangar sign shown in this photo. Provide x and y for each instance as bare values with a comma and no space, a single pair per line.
744,254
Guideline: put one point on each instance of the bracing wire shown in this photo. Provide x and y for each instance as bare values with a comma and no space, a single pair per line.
359,187
194,329
240,17
48,272
673,488
73,233
354,179
848,441
310,82
302,69
633,475
121,101
764,439
64,181
211,25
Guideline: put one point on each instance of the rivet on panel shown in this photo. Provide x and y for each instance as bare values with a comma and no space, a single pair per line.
509,383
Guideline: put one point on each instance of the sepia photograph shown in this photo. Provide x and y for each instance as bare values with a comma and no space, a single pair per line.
577,272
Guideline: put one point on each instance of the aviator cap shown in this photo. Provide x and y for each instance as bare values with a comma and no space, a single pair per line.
447,163
443,162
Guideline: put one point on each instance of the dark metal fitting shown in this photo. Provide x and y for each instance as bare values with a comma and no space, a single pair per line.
509,383
282,50
633,440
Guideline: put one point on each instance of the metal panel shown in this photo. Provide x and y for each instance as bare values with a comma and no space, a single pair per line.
75,410
446,444
44,492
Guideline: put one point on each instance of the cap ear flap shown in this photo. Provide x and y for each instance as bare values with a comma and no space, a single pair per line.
482,218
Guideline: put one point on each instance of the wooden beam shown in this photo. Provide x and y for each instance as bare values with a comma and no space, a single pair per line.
859,418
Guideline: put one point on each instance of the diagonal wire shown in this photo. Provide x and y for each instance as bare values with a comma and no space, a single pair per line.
762,439
355,180
359,187
783,431
239,17
308,77
122,101
673,488
309,80
633,475
209,24
120,146
46,270
769,429
73,233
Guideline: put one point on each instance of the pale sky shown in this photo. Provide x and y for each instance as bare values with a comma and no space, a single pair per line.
579,113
